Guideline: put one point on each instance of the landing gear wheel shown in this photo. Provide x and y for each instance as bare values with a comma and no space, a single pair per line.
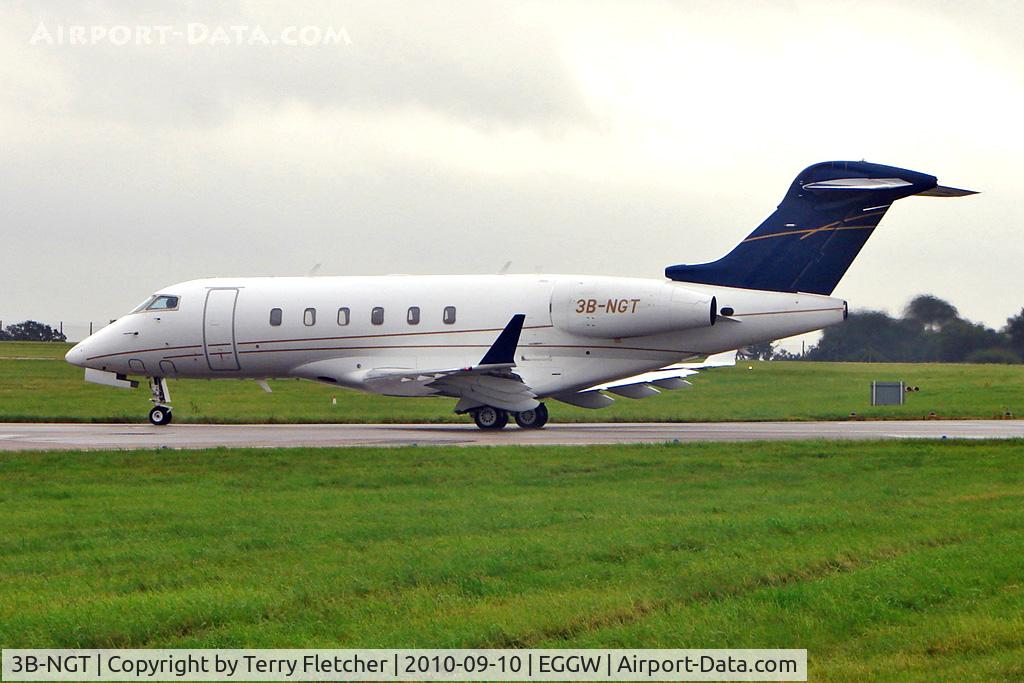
161,398
490,418
160,415
532,419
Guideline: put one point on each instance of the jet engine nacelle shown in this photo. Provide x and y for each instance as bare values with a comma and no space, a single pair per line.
613,308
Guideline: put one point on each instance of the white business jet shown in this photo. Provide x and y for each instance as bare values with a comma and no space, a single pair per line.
503,344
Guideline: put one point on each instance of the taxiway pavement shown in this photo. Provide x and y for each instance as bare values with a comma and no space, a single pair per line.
48,436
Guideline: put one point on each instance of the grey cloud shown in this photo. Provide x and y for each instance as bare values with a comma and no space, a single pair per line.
474,61
136,168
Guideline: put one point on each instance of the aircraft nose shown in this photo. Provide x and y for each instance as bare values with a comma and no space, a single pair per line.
76,356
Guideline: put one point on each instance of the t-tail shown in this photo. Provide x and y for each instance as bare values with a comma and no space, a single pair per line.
812,238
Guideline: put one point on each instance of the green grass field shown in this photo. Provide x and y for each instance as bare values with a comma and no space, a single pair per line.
885,560
35,384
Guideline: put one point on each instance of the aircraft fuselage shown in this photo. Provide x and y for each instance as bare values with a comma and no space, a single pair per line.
578,330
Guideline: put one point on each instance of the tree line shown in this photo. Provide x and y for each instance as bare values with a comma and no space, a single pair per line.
930,330
30,330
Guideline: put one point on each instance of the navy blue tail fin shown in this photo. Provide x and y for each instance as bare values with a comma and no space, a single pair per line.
812,238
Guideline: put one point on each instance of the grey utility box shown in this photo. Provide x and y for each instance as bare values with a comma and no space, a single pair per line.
887,393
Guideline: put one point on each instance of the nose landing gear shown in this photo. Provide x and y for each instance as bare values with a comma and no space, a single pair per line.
160,415
161,398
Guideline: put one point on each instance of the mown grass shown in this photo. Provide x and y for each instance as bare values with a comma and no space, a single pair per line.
885,560
51,390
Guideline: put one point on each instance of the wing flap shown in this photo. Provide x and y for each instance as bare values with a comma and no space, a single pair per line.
671,383
585,399
636,390
669,377
640,386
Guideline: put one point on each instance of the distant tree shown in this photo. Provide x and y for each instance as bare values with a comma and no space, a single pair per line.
871,336
759,351
959,339
930,311
1014,332
1001,356
30,330
932,331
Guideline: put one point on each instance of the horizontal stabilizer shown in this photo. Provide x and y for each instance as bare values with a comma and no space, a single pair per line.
945,191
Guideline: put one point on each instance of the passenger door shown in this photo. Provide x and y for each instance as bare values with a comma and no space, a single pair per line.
219,329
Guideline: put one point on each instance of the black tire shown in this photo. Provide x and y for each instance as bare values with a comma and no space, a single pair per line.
490,418
160,416
532,419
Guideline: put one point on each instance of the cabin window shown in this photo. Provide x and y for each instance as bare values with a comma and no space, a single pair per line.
275,317
449,315
377,315
343,316
309,317
413,316
163,303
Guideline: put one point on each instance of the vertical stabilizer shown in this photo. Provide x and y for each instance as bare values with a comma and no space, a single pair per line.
808,244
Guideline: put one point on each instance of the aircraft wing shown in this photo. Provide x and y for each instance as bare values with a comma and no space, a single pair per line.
474,390
645,384
490,382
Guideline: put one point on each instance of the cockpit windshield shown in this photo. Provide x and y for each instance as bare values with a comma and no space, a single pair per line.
163,302
158,302
142,306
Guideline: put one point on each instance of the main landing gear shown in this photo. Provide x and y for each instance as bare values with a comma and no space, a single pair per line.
532,419
161,398
494,419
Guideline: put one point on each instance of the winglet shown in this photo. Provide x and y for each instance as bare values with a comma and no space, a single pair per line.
503,350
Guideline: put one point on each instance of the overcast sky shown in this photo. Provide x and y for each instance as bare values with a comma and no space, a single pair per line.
593,137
